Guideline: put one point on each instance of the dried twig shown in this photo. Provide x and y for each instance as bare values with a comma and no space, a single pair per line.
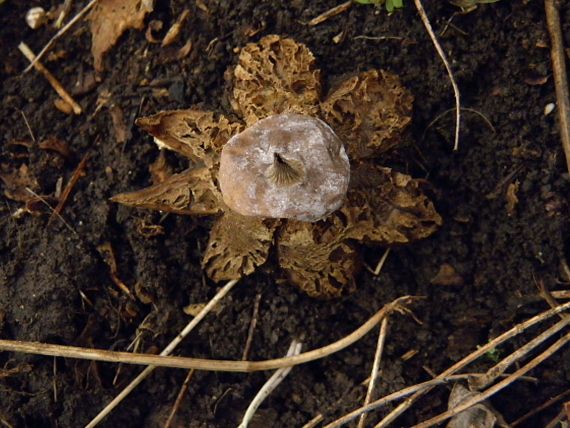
329,13
439,50
28,126
270,385
539,408
375,369
50,207
251,329
52,80
67,191
559,71
422,388
519,328
201,364
425,386
179,398
494,372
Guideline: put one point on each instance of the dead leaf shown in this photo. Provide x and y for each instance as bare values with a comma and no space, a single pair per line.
41,205
153,26
108,255
119,126
511,197
447,275
16,182
171,54
174,31
63,106
194,309
57,145
143,294
480,415
238,245
160,170
148,230
86,82
109,19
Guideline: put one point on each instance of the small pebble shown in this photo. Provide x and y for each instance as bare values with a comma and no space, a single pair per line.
549,108
36,17
63,106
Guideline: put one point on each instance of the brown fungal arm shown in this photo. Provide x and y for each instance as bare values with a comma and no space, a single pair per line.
197,135
369,112
317,258
190,192
238,245
275,75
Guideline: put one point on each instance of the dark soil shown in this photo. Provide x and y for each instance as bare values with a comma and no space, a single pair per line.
55,286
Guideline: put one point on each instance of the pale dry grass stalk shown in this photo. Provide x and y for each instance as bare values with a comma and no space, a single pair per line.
203,364
270,385
438,48
375,369
447,376
199,317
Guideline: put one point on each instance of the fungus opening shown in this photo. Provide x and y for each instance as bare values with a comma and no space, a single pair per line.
285,172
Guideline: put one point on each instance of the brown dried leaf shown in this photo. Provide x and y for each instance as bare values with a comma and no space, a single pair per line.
317,258
119,126
16,182
171,54
153,26
41,205
57,145
386,207
511,197
275,76
160,170
447,275
194,309
109,20
481,415
237,245
174,31
198,135
148,230
369,112
108,255
190,192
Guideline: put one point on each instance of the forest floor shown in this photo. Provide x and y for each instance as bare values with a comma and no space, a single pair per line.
503,197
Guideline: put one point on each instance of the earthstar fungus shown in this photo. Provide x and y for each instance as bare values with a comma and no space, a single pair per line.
276,82
285,166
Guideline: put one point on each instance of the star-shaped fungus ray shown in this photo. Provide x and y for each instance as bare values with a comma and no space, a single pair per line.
383,207
275,75
369,112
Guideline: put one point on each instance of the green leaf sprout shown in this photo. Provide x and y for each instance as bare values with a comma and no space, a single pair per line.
389,4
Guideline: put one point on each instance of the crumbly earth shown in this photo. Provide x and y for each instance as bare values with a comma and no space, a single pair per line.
56,287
